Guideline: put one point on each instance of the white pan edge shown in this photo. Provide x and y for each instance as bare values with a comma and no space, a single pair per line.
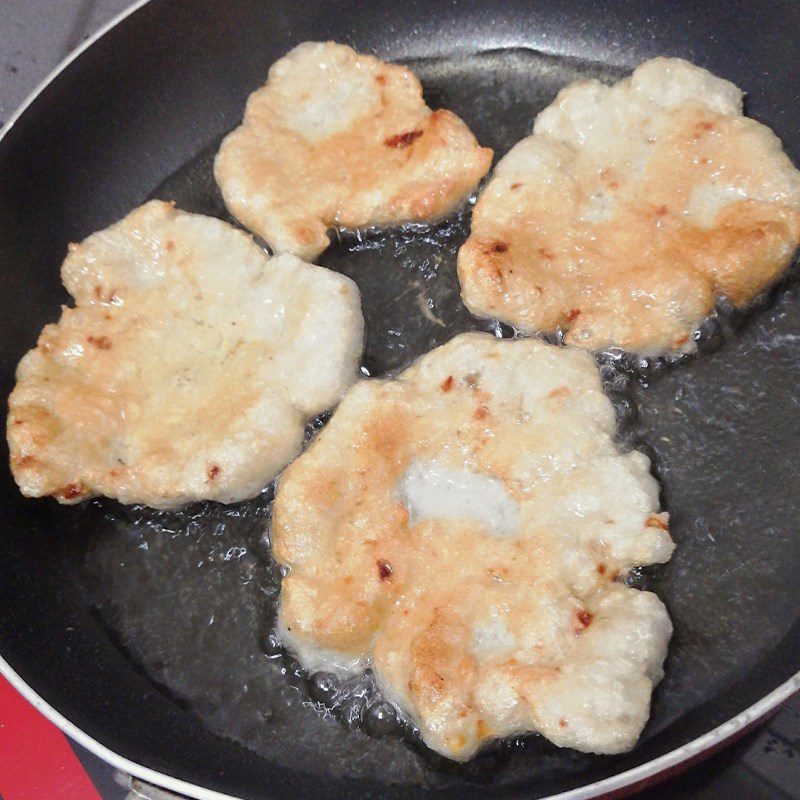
644,773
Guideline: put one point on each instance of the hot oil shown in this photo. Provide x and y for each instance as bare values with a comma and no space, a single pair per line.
190,596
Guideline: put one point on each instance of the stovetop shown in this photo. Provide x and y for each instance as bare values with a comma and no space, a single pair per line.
764,765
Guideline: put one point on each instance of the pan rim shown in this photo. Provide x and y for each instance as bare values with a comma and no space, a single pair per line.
66,61
696,749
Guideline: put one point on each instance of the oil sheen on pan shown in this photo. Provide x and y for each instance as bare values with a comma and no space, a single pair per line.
205,641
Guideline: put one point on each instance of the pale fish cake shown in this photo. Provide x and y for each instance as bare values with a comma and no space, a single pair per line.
629,209
335,138
461,529
187,368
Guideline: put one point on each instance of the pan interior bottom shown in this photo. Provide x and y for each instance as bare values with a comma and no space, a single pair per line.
190,596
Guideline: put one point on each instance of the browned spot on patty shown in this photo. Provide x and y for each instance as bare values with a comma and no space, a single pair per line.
100,342
403,139
111,297
447,383
385,570
605,176
212,471
71,491
481,412
584,619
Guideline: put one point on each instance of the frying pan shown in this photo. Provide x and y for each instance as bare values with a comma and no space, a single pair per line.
145,635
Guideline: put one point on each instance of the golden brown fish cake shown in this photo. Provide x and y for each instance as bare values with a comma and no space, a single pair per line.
460,529
629,209
186,369
335,138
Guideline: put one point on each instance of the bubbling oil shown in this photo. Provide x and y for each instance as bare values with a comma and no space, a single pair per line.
191,596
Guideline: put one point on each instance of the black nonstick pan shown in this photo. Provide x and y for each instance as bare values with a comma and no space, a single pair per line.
146,635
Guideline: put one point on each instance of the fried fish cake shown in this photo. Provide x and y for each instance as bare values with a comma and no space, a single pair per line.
629,209
461,529
186,369
335,138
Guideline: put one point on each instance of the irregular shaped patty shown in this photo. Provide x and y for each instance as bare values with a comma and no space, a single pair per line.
186,369
336,138
461,529
629,209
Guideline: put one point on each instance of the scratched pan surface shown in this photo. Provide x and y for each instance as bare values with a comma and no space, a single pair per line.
148,631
